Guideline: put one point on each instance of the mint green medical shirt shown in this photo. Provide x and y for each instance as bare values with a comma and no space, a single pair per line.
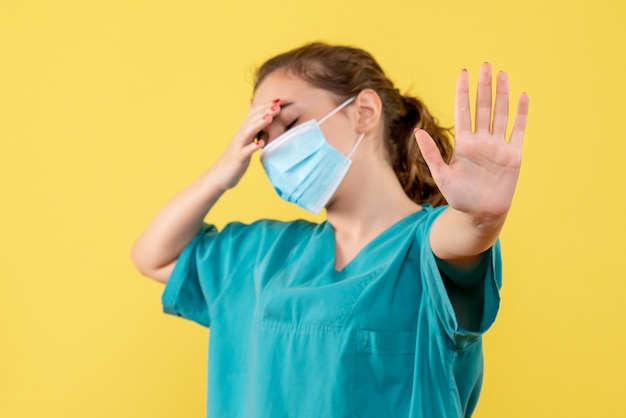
293,337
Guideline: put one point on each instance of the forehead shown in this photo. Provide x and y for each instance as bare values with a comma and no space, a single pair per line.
288,88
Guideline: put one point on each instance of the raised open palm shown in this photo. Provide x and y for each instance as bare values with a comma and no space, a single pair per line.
481,176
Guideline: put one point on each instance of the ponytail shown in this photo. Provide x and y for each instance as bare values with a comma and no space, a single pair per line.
409,164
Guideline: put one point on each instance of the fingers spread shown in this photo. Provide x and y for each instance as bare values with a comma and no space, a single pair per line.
483,99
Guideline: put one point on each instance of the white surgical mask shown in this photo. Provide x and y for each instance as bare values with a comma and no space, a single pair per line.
303,167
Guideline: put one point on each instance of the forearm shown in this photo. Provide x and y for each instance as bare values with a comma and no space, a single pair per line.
158,247
155,252
459,238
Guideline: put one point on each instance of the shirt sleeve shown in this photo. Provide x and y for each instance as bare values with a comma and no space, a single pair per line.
200,273
434,285
183,294
228,265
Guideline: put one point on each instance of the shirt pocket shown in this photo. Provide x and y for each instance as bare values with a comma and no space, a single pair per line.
325,301
383,373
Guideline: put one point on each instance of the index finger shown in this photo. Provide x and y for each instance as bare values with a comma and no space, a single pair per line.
462,118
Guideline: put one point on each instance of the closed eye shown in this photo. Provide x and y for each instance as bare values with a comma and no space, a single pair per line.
291,125
261,135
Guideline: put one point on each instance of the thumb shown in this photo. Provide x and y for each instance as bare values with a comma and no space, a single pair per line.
430,152
253,147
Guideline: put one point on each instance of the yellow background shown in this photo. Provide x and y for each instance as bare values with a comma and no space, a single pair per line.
108,107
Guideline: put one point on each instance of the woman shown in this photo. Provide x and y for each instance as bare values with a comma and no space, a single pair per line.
379,311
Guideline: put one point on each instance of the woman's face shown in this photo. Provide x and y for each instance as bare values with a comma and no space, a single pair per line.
301,102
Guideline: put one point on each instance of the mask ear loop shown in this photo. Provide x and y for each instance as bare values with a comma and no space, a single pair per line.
358,141
337,109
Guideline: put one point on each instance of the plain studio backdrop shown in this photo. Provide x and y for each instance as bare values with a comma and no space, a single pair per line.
107,108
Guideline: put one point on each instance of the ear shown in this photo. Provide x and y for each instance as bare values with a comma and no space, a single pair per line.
369,107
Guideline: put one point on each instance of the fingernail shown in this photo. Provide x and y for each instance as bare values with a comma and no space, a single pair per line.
266,116
276,101
274,107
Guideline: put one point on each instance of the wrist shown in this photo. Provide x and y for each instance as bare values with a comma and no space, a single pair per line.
456,236
485,222
214,181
